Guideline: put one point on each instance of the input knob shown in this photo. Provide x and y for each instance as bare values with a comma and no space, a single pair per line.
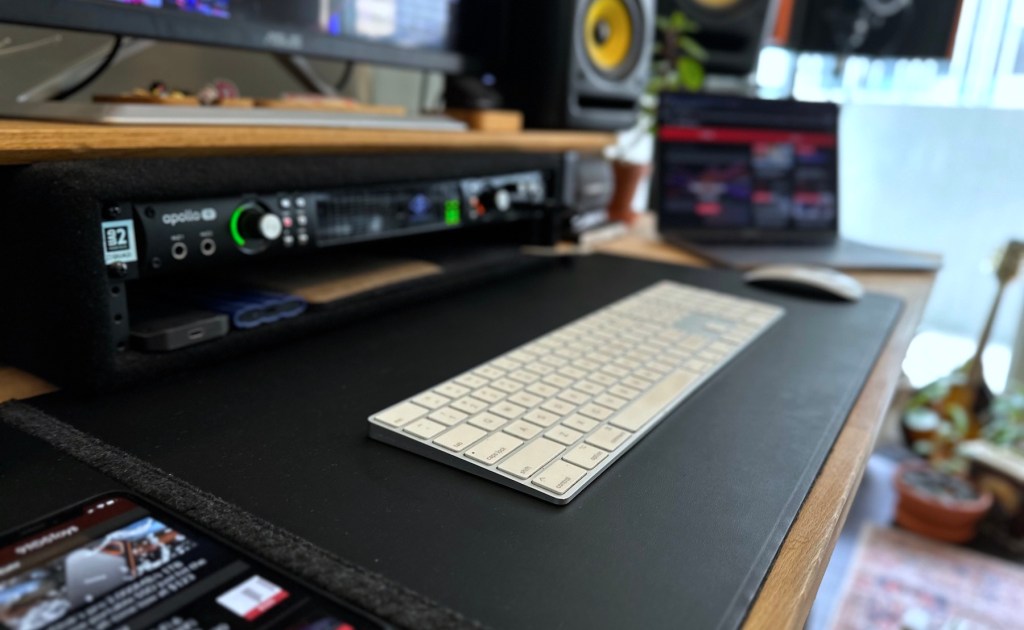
500,200
253,227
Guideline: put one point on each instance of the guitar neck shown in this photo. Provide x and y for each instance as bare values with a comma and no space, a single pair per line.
975,374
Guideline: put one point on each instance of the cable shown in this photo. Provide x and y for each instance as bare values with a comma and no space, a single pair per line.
346,76
109,59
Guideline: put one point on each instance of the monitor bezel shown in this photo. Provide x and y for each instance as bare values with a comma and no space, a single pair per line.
79,15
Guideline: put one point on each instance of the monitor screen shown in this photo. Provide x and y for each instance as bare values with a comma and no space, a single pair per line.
736,166
417,33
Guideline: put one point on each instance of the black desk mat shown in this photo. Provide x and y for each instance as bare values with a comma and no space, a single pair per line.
680,531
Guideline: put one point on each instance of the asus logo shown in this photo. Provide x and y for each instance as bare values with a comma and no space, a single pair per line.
280,39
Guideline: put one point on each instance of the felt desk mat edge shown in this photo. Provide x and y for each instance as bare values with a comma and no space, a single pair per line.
388,600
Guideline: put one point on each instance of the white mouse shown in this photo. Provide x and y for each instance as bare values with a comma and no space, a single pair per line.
821,281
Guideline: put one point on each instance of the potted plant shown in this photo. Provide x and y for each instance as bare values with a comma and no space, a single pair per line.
677,65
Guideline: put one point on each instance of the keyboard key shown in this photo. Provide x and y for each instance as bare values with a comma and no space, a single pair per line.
597,412
636,383
525,399
542,418
494,448
614,370
612,402
559,407
506,385
469,405
488,421
573,396
430,400
522,429
508,410
572,372
586,456
448,416
607,438
563,435
589,387
580,423
603,379
401,414
460,438
488,394
452,390
506,364
648,375
531,458
557,380
424,428
524,376
471,381
489,372
643,409
542,389
560,477
623,391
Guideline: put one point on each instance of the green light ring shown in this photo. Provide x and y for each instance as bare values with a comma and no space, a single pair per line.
235,234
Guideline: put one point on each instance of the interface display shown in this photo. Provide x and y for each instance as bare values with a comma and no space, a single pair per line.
728,164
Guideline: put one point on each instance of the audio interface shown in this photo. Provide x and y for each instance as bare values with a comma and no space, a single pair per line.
167,237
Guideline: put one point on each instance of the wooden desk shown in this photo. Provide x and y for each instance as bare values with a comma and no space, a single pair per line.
789,590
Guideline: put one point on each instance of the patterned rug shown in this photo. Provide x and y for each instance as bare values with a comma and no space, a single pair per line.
901,580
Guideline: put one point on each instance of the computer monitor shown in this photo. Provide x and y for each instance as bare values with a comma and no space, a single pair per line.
414,33
873,28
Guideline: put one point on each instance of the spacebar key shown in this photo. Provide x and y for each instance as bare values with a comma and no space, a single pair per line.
644,408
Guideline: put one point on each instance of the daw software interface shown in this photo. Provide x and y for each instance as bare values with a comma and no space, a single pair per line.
728,164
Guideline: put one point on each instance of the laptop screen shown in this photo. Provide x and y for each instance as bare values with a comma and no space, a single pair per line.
738,169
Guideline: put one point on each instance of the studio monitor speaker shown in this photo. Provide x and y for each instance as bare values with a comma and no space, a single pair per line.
731,31
566,63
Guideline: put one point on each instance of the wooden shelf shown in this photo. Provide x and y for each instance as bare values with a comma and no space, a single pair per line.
25,142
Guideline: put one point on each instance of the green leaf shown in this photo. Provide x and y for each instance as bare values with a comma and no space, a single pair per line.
692,48
961,421
690,73
678,20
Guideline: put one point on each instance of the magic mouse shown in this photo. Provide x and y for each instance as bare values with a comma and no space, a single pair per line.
819,281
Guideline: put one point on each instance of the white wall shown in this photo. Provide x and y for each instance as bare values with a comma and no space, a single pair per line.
949,180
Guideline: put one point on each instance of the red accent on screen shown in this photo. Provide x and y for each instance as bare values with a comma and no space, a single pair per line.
709,209
762,196
809,198
739,135
266,605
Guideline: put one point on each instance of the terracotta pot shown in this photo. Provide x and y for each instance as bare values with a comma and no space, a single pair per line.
627,178
949,509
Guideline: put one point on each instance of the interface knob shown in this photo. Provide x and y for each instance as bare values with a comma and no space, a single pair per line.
253,227
500,200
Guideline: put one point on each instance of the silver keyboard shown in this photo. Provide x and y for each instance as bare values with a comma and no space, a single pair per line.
551,415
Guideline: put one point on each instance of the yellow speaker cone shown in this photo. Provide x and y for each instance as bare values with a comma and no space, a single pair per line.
717,5
608,33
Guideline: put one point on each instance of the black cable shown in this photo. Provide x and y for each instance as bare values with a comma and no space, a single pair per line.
424,91
109,59
346,76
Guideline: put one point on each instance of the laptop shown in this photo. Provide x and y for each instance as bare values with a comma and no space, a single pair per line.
746,182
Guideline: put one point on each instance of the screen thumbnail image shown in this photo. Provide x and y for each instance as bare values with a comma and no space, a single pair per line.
211,8
46,593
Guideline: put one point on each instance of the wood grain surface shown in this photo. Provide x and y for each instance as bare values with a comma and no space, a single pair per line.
23,142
